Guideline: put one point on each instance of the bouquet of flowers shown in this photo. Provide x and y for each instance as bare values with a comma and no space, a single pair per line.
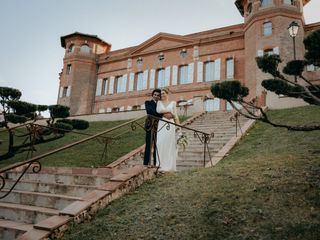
182,140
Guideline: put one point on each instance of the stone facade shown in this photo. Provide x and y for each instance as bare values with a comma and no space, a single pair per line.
95,79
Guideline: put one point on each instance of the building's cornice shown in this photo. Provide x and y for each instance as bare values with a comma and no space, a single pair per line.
199,42
217,31
162,36
75,34
239,4
272,12
312,27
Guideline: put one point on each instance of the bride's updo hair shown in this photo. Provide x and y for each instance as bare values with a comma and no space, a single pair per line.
165,90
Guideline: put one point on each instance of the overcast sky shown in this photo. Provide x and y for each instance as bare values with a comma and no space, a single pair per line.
31,54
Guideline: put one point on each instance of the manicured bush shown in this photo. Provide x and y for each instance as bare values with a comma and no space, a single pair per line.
79,124
61,127
65,120
13,118
58,111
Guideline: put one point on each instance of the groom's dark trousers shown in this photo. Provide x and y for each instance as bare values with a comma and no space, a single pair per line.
151,108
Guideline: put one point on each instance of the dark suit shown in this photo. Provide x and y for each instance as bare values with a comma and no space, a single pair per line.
151,108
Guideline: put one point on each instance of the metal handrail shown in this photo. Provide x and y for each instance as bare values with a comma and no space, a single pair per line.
35,160
203,137
2,170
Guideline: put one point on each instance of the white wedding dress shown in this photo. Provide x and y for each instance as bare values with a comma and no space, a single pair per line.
166,139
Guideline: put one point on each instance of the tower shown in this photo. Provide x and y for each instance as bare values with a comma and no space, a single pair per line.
79,74
266,32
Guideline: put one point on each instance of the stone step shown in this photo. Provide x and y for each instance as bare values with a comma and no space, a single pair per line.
212,140
193,137
191,159
54,188
198,154
25,213
49,200
10,230
218,123
213,145
219,128
68,179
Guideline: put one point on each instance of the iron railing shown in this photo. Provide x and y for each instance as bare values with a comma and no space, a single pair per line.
35,165
203,137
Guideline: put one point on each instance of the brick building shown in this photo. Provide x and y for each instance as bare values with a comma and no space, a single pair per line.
95,79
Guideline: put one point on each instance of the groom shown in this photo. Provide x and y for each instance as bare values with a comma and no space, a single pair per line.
151,108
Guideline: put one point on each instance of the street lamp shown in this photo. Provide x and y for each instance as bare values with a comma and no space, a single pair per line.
293,31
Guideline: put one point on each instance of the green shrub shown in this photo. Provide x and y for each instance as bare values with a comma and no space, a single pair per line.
13,118
75,123
61,127
79,124
65,120
58,111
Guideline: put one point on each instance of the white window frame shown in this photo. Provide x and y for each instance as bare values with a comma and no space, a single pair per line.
139,81
183,74
161,77
230,68
267,28
209,71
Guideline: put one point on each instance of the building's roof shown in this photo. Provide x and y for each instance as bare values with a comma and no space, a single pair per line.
63,38
239,4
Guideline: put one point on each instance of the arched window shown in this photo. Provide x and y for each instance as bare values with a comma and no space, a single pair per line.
265,3
85,48
71,48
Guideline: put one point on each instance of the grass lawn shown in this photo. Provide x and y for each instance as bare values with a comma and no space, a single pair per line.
87,154
267,188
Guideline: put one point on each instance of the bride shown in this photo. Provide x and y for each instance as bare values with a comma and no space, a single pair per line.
166,136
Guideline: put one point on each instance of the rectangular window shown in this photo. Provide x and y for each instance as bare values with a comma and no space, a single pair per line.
265,3
105,86
183,74
65,91
230,68
290,2
120,85
161,78
99,87
209,71
267,29
68,71
139,81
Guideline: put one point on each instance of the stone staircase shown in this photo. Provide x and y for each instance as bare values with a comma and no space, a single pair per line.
43,204
193,156
224,130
